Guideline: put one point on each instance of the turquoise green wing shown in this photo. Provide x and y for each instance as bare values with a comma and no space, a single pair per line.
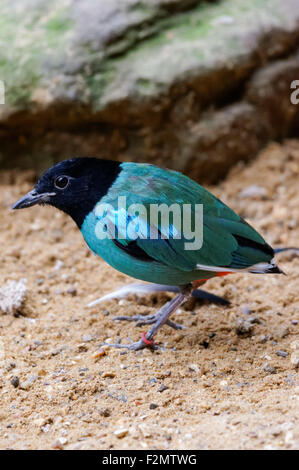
228,241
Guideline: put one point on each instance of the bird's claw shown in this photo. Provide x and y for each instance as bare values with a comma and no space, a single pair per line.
136,346
147,320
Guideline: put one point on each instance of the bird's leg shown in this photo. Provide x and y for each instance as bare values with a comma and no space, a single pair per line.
148,319
162,318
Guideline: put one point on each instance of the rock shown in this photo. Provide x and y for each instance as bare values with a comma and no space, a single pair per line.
120,433
59,443
12,296
269,91
108,374
162,388
270,369
15,381
246,310
26,385
281,332
194,368
295,354
295,345
58,265
263,339
295,359
99,353
153,406
253,191
282,353
152,81
72,291
244,327
87,338
289,437
106,412
82,348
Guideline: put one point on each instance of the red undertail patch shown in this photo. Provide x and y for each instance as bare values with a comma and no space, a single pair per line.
199,282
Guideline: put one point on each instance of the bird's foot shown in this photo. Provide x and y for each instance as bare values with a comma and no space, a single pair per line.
136,346
161,317
148,320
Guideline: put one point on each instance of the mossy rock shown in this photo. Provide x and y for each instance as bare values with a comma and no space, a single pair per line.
138,74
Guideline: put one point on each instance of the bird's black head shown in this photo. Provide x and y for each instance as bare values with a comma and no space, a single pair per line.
73,186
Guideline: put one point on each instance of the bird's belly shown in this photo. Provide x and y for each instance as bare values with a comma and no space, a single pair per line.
150,271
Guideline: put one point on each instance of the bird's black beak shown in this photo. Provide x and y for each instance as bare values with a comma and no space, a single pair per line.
32,198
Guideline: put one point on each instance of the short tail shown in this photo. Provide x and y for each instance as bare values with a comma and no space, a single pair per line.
265,268
272,268
259,268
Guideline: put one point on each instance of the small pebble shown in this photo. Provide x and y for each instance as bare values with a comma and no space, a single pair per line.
119,433
106,412
253,191
281,332
153,380
15,381
99,353
59,443
26,385
10,366
295,345
108,374
246,310
86,338
153,406
270,369
295,359
72,291
58,265
243,327
282,353
162,388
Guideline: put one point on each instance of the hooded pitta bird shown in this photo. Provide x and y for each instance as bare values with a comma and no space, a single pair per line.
144,247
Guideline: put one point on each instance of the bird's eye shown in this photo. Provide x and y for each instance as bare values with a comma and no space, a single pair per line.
61,182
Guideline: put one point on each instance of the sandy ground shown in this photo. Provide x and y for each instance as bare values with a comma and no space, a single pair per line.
228,381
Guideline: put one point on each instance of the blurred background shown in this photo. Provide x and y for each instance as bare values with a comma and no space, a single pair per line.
185,84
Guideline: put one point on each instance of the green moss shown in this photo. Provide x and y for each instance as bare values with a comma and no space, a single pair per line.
21,64
145,8
60,23
98,82
43,36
